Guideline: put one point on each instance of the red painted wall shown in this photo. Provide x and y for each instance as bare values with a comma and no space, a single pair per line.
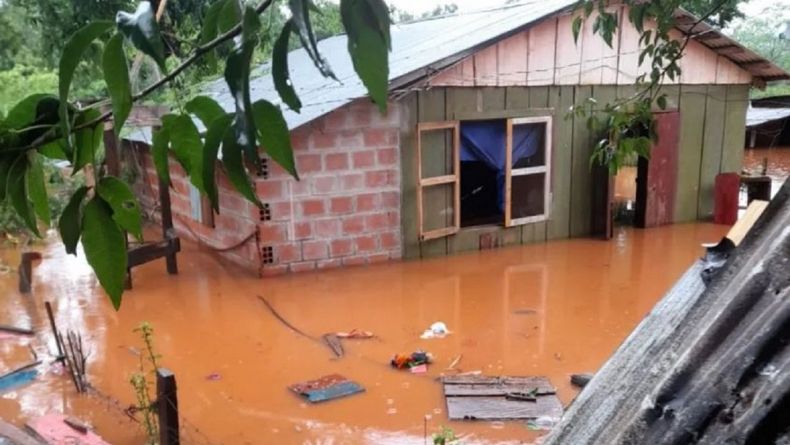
345,210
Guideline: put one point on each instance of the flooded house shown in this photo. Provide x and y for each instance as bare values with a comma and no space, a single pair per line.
476,149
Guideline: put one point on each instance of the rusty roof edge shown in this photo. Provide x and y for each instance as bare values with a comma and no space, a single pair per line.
706,28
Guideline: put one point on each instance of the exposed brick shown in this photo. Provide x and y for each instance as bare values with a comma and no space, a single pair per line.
288,253
393,219
390,200
329,264
231,202
389,240
281,210
341,205
336,161
323,185
379,137
336,119
367,202
357,260
269,190
313,207
376,178
308,163
298,188
353,224
227,223
363,159
360,116
323,140
303,230
349,140
393,177
387,156
304,266
327,228
300,139
377,222
341,247
352,181
366,243
273,233
378,257
315,250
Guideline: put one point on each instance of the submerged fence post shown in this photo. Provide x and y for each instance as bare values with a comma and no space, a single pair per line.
167,406
26,272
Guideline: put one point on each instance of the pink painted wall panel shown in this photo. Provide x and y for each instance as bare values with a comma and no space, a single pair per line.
512,60
698,64
485,73
540,58
569,53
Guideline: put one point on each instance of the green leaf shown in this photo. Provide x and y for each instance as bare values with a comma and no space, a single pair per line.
16,187
382,15
237,75
76,46
86,140
301,20
280,74
36,186
274,136
209,31
125,208
159,152
234,166
24,113
206,109
229,16
5,167
662,101
55,150
105,248
187,146
214,135
368,48
70,223
576,27
116,75
142,30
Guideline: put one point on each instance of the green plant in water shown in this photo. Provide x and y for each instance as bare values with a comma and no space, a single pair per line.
142,385
445,437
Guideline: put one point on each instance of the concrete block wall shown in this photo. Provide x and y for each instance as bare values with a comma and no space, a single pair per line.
344,210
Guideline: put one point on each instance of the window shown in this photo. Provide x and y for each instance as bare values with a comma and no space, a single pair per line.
527,172
438,189
479,172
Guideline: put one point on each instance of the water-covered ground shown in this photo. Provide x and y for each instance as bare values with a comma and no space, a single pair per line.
548,309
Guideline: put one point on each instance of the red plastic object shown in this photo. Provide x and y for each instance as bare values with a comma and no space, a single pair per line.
725,201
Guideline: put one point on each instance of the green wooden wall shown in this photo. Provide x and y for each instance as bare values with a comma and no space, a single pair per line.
711,141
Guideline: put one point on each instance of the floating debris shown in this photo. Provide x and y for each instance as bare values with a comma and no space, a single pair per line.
437,330
403,361
581,380
328,387
500,398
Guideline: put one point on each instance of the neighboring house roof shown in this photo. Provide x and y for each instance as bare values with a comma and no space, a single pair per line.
758,116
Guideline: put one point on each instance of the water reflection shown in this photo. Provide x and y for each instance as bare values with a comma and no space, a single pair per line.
551,309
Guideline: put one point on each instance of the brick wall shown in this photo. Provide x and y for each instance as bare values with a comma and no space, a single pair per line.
344,211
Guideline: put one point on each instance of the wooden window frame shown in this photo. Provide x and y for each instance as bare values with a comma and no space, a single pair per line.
454,179
510,172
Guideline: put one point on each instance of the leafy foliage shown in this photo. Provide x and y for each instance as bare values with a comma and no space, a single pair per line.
101,216
626,126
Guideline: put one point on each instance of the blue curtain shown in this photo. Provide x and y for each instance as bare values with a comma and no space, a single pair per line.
484,141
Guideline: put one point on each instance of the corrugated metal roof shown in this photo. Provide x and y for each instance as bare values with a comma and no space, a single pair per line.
414,46
759,116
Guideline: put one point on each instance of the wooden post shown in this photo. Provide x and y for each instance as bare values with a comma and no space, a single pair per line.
167,406
61,353
26,272
111,154
167,223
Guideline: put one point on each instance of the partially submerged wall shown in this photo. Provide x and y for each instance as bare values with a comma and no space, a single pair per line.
345,210
712,129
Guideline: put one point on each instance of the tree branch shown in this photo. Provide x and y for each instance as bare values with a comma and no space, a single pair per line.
196,55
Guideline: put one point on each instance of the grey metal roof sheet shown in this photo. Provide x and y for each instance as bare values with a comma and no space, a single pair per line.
759,116
414,46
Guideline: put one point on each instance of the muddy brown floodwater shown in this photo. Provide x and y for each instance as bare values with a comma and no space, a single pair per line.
550,309
778,164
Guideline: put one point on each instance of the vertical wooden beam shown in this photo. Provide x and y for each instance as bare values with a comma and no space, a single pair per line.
167,407
26,272
167,222
112,156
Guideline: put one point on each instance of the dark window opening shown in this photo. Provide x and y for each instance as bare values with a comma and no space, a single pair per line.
479,195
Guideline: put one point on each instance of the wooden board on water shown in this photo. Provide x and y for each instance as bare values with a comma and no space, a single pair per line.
486,398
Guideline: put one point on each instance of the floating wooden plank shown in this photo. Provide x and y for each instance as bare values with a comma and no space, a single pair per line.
326,388
475,397
16,330
739,230
52,429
